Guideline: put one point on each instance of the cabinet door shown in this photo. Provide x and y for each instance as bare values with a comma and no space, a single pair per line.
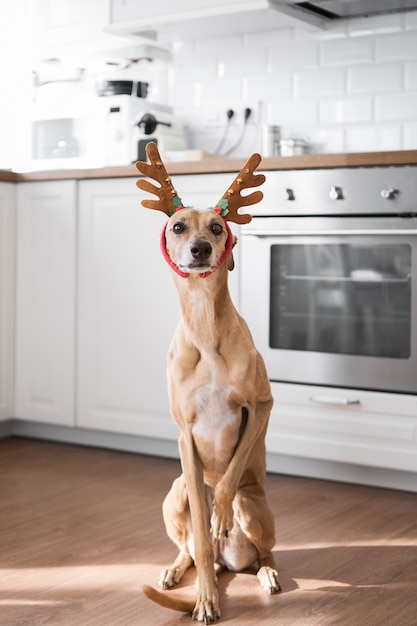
159,10
7,238
45,316
127,313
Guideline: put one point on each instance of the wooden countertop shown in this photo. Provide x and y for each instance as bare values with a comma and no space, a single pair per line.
215,165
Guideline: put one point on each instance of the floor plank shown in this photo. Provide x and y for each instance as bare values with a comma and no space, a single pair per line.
81,531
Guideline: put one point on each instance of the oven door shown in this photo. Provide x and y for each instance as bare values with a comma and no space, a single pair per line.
333,301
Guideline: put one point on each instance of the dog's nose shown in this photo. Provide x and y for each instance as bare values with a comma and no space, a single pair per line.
201,250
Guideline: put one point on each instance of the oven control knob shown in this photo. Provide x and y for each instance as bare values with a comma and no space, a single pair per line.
288,194
336,193
389,194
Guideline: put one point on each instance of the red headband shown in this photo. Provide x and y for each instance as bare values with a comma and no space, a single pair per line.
173,266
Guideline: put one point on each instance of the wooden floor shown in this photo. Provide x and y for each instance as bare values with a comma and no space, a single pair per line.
81,531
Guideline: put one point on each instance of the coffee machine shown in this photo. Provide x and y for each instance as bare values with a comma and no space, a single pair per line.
160,127
130,121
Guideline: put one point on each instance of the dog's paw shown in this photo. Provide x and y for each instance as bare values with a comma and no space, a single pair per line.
221,521
268,577
169,578
206,611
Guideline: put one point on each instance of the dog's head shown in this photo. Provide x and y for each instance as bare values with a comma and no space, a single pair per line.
198,241
193,240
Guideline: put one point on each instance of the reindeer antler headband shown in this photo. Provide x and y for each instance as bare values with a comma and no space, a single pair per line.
169,202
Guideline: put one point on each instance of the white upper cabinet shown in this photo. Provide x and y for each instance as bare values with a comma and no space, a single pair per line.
71,30
7,239
45,301
187,19
161,10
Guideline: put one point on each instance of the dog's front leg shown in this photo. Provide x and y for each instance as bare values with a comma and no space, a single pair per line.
226,488
207,606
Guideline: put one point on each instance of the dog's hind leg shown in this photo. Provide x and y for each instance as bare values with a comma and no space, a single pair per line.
176,513
257,522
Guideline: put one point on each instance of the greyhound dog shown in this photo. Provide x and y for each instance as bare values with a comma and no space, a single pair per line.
216,511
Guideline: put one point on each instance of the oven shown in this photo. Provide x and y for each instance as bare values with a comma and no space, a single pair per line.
329,277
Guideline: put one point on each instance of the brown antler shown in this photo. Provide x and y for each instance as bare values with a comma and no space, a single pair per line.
232,200
168,199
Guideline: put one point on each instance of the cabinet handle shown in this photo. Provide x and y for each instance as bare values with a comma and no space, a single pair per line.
334,400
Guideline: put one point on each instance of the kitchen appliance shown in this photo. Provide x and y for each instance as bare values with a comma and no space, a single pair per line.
329,277
130,121
65,128
75,125
336,9
160,127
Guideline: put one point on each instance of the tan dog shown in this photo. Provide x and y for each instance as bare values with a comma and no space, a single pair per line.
216,512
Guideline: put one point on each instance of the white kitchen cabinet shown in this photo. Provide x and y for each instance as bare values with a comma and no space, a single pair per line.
364,428
7,251
71,29
45,301
127,306
187,19
159,10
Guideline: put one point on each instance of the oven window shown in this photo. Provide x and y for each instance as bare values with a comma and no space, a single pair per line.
341,298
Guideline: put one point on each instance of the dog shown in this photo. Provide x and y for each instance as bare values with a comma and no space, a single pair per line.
216,511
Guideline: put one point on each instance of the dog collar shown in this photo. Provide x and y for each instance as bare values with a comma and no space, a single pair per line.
173,266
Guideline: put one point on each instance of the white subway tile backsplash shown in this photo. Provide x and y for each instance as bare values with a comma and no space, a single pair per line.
189,64
321,83
398,106
350,87
397,47
410,20
229,91
347,51
268,38
286,113
290,55
280,85
346,111
411,76
184,94
375,78
373,138
410,136
243,62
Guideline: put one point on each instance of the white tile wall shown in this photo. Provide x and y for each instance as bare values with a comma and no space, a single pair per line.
351,87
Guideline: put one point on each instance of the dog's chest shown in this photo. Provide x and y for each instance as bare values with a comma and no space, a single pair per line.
216,426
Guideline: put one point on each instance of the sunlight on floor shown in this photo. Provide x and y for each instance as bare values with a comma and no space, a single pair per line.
38,580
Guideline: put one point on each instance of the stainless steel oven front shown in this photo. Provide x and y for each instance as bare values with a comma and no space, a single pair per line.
332,300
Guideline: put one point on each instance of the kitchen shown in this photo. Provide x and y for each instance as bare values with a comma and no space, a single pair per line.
71,355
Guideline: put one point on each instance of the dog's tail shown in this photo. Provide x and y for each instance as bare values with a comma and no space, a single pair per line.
185,605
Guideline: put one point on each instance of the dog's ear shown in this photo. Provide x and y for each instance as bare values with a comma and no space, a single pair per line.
168,200
232,199
230,259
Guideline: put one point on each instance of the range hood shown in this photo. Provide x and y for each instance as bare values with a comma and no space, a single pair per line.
338,9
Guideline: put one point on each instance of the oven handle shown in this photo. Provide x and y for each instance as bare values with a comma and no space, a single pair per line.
328,233
335,400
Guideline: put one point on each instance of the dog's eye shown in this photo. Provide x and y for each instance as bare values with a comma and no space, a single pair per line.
216,229
178,228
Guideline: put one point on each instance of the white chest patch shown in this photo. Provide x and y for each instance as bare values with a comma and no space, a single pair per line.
213,414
